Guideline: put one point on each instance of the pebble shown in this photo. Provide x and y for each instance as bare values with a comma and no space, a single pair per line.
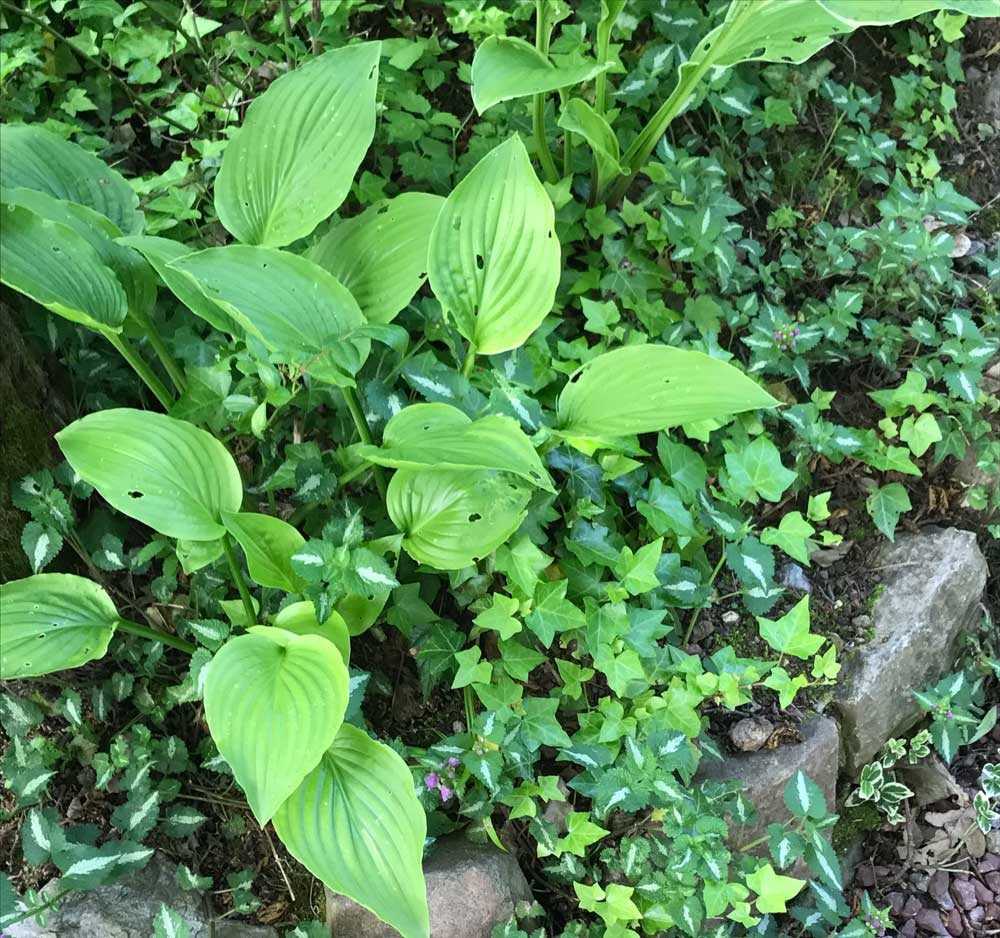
912,907
983,895
964,893
989,863
930,921
937,888
908,930
750,734
861,622
730,618
954,924
993,881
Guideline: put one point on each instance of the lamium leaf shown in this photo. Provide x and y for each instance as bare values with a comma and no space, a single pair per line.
381,254
644,388
60,270
303,315
451,519
300,618
268,544
163,472
494,259
505,67
439,435
274,702
292,162
34,158
52,621
355,823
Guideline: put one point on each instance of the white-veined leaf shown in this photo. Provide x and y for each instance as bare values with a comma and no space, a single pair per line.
804,798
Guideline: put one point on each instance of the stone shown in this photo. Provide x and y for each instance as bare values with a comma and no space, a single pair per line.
929,780
929,920
126,909
964,893
764,774
470,888
933,584
750,734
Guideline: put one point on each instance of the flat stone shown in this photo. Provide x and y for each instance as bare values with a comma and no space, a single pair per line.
764,774
933,584
126,909
470,888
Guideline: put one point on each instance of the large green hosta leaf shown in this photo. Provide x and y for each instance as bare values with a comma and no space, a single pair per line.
274,702
303,315
34,158
293,160
451,519
580,118
163,472
300,618
381,254
59,269
355,822
505,67
268,543
494,259
439,435
52,621
644,388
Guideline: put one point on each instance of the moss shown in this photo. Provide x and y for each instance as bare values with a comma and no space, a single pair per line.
854,823
874,597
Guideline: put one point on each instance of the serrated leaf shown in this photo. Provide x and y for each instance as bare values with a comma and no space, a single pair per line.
40,544
168,924
804,798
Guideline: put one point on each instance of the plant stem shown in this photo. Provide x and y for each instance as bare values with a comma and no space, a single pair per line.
170,364
542,32
470,360
697,612
38,909
470,708
238,579
144,631
143,370
365,432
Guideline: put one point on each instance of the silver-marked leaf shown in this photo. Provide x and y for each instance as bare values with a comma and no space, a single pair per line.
274,702
163,472
355,823
494,259
303,315
505,67
60,270
804,798
438,435
451,519
34,158
268,543
644,388
52,621
381,254
292,162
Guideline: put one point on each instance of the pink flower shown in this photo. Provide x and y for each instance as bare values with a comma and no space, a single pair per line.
446,792
432,781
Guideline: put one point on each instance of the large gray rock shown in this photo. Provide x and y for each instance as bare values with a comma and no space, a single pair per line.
933,584
765,773
469,889
126,909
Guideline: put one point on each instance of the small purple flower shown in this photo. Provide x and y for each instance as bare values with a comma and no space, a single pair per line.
949,715
446,792
453,761
432,781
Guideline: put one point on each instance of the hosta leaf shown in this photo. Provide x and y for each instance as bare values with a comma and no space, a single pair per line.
451,519
274,702
505,67
381,254
161,253
60,270
302,314
268,544
355,823
52,621
163,472
300,618
876,13
293,160
644,388
34,158
439,435
494,258
580,118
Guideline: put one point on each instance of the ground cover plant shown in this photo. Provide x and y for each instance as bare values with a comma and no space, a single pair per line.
516,393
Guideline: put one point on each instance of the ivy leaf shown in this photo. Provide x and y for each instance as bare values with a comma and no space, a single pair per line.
792,535
500,616
581,832
756,470
774,891
470,669
540,726
785,685
522,563
885,505
553,613
637,571
518,660
790,634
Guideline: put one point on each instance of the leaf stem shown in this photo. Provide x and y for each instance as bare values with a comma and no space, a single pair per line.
542,33
365,432
697,612
238,578
170,364
470,707
144,631
143,370
470,360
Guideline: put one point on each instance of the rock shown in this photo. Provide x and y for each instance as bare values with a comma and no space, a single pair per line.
750,734
933,584
126,909
929,920
938,890
929,780
964,893
469,889
983,895
954,924
765,774
730,617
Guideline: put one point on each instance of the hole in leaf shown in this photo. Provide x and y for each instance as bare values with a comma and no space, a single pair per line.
382,209
135,494
480,263
475,516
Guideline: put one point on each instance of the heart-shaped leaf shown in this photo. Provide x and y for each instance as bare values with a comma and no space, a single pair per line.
644,388
163,472
355,822
439,435
34,158
268,544
293,160
59,270
52,621
451,519
300,618
381,254
274,702
494,259
304,315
